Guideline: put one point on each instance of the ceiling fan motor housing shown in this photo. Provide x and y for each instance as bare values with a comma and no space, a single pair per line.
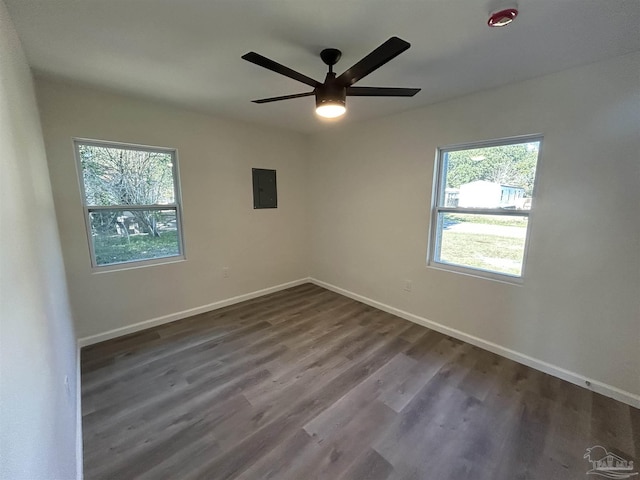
331,92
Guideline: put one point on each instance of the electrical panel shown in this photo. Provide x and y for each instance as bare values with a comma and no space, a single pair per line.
265,193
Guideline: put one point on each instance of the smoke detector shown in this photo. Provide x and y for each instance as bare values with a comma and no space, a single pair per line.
503,17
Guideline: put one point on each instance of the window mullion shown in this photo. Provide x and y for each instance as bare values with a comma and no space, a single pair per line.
96,208
483,211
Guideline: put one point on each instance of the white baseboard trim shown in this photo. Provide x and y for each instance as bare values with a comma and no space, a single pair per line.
79,449
154,322
572,377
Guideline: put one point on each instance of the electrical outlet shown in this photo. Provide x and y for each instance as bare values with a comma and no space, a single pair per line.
225,272
407,285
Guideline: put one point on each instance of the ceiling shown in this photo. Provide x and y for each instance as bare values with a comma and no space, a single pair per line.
188,52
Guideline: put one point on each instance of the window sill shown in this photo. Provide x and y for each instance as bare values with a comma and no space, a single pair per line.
477,273
117,267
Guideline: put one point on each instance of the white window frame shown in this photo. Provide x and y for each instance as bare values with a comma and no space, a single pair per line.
176,206
438,193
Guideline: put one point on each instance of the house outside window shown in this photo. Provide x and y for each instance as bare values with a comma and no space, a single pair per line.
131,197
483,194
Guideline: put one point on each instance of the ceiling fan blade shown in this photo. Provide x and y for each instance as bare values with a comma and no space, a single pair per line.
284,97
269,64
381,55
381,92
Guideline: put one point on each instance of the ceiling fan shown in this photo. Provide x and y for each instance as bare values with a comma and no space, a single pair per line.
331,95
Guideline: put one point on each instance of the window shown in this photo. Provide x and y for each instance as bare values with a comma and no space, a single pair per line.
132,203
482,199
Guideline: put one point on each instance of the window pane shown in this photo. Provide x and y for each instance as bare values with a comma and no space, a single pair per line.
125,236
490,177
487,242
120,176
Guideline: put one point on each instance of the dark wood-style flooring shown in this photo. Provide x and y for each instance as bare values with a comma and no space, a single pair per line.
305,383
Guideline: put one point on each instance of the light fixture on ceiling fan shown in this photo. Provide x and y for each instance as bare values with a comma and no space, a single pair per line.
331,98
331,94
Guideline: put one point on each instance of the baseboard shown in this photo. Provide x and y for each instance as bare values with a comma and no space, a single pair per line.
79,449
572,377
154,322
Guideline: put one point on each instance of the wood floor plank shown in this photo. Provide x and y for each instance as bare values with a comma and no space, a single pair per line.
247,452
290,456
435,351
135,421
423,418
305,383
341,448
611,425
369,466
337,417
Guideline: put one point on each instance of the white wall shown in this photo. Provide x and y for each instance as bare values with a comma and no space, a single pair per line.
262,248
37,343
579,306
362,224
